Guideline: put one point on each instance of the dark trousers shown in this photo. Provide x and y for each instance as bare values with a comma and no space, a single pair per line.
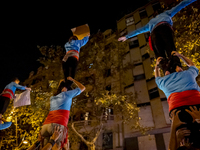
162,38
4,102
69,69
194,127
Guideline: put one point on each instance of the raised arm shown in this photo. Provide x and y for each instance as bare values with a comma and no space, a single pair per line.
84,40
185,59
157,72
21,87
134,33
178,7
81,86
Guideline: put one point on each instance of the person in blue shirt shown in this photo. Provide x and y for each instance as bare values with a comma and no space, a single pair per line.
70,60
60,105
7,94
182,92
162,35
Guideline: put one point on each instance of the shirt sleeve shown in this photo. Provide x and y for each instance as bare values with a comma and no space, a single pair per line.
5,125
83,41
74,92
19,86
178,7
194,70
138,31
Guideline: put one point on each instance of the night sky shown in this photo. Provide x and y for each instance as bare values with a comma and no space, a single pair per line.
26,25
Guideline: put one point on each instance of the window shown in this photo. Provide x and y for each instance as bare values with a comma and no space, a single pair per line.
147,36
130,143
147,117
139,77
108,88
153,93
156,6
107,35
107,140
107,73
129,21
123,32
145,56
143,13
133,42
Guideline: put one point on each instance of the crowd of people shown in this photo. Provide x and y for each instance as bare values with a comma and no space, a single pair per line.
179,86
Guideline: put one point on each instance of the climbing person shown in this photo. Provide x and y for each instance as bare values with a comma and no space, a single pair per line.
8,94
60,105
70,60
162,35
182,91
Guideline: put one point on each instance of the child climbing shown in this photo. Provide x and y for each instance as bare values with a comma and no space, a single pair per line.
60,105
8,94
162,35
70,60
182,91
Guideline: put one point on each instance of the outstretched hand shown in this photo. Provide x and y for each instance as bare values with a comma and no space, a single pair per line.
158,60
175,53
40,138
70,78
123,38
175,119
195,113
57,133
182,133
28,89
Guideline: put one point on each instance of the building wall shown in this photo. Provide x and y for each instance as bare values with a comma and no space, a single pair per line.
140,81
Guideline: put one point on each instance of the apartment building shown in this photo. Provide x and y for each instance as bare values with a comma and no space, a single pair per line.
140,80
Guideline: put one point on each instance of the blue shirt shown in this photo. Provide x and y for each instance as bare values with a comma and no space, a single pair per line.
76,44
5,125
179,81
13,86
165,16
63,100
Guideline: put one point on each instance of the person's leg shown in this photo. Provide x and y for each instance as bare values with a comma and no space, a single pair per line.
174,61
45,133
4,102
65,66
158,43
168,37
158,48
73,63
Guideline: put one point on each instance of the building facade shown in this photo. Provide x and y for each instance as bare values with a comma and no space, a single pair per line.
140,81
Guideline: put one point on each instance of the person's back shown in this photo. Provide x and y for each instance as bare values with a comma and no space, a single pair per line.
75,44
178,81
60,105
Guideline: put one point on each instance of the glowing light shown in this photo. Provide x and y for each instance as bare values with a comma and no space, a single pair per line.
25,142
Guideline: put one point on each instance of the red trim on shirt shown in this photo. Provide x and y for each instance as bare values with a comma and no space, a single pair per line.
76,52
150,43
58,116
185,98
4,94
